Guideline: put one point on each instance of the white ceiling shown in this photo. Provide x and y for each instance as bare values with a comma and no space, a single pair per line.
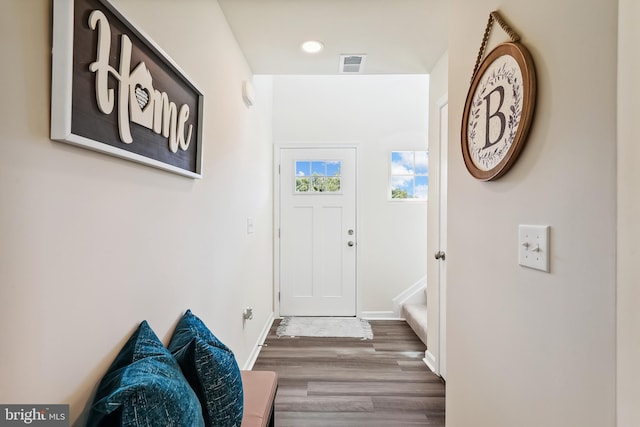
398,36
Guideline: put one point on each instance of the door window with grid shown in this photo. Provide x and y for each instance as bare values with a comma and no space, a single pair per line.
318,176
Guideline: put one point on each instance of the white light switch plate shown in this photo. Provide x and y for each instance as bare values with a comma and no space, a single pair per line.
251,227
533,246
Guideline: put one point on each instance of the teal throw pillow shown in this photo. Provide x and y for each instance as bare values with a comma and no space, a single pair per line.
145,387
211,369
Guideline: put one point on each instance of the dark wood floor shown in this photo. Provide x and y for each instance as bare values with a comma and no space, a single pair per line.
347,382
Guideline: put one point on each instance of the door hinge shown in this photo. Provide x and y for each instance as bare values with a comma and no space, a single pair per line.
278,233
278,169
278,296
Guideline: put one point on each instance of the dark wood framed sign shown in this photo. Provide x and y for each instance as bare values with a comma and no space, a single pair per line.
499,109
115,91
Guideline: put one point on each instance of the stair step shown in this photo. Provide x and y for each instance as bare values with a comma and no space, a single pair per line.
416,317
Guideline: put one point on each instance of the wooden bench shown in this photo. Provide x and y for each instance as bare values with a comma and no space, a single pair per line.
259,389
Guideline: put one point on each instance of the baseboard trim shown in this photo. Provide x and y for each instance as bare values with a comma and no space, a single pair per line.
430,361
261,338
379,315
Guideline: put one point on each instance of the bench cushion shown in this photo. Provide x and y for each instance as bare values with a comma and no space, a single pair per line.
259,395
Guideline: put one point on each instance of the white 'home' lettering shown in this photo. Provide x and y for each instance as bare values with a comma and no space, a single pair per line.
158,114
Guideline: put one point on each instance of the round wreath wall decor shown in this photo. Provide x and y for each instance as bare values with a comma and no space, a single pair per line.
499,107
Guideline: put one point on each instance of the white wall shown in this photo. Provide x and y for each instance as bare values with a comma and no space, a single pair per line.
380,113
90,245
438,86
628,375
526,348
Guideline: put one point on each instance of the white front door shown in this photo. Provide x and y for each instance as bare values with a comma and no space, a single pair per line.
318,232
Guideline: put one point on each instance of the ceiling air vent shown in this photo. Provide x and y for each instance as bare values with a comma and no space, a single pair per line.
352,64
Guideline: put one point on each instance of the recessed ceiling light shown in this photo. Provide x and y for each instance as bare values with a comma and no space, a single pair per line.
312,46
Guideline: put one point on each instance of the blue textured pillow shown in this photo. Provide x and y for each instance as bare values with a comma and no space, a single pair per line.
211,369
145,387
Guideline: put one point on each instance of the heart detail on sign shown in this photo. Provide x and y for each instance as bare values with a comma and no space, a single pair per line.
142,96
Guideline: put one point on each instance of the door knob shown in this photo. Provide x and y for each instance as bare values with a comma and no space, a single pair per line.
440,255
350,243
